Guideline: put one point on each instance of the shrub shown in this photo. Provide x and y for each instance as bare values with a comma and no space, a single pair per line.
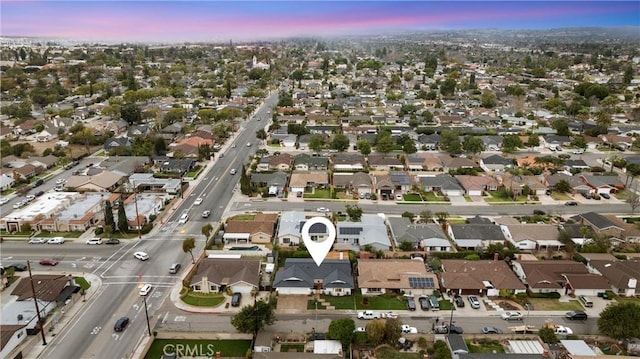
99,230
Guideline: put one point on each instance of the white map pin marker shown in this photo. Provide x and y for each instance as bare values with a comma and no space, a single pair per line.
318,250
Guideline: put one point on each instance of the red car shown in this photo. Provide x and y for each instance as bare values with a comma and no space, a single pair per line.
48,262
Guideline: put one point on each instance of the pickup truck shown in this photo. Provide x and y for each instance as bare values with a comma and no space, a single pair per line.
369,314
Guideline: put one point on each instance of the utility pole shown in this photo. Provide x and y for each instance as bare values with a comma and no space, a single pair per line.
138,224
146,313
35,300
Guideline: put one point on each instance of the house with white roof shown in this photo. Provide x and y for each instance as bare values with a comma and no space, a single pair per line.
369,230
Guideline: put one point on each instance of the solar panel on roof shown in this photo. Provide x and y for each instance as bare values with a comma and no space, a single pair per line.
350,230
421,282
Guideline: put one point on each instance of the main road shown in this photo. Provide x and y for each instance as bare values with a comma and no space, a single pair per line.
91,335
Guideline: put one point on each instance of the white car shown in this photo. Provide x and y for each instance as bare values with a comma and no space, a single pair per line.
141,256
18,204
578,151
56,240
206,214
30,197
61,181
94,241
323,209
512,316
198,201
145,289
37,241
4,200
368,314
248,144
561,330
409,329
399,197
183,219
59,188
360,330
233,171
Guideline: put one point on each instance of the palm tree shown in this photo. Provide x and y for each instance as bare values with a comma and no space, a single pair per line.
188,244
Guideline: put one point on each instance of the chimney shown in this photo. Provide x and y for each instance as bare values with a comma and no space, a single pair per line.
495,256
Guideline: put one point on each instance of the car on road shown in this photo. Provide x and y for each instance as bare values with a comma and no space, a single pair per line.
233,146
18,267
206,214
39,193
578,151
323,209
368,314
562,330
444,329
48,262
30,197
61,181
183,219
198,201
571,203
4,200
538,212
512,316
390,315
146,289
407,329
112,241
175,267
59,188
37,241
141,256
491,330
96,240
248,144
18,204
360,330
121,324
56,240
576,315
473,300
233,171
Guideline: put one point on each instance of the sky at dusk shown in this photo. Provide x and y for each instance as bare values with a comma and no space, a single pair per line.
178,21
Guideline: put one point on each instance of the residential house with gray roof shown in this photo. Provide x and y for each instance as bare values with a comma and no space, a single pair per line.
428,142
455,163
275,182
426,236
475,236
348,162
445,183
301,276
290,227
532,236
623,275
603,184
599,224
384,163
401,180
358,182
305,162
477,185
217,275
369,230
479,277
495,163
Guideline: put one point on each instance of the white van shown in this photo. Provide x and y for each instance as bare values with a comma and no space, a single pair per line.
94,241
586,302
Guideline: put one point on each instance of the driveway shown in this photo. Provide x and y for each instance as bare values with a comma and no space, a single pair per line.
292,303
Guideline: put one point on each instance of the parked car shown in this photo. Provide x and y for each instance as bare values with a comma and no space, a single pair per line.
399,198
112,241
4,200
37,241
56,240
459,302
323,209
360,330
411,303
235,299
121,324
578,151
18,267
48,262
491,330
39,182
605,195
571,203
368,314
39,193
444,329
30,197
94,241
576,315
512,316
141,256
424,303
407,329
473,300
538,212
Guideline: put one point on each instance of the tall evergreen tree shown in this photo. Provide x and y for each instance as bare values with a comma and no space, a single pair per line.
245,182
123,225
108,215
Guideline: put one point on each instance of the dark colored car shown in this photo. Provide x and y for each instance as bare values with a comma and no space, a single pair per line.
411,303
424,303
48,262
121,324
538,212
571,203
18,267
39,182
459,301
112,241
235,299
605,196
444,329
576,315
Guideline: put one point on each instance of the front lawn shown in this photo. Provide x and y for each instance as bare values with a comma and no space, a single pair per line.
284,348
559,196
202,347
554,304
412,197
318,193
496,197
195,172
389,353
82,283
60,234
203,299
382,303
431,197
484,345
245,217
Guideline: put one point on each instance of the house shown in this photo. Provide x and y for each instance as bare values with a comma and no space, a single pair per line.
532,236
401,181
454,163
11,337
429,142
600,224
280,162
424,162
577,185
289,230
215,275
301,276
26,172
308,181
348,162
6,181
274,182
479,277
105,181
384,163
358,182
305,162
495,163
45,162
554,275
477,185
576,231
623,275
426,236
603,184
116,144
174,165
370,230
445,184
630,232
263,164
398,276
475,236
260,229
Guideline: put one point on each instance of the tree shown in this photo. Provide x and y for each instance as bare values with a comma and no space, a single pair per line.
384,143
409,147
442,217
108,215
354,212
261,134
253,318
633,199
510,143
472,144
425,216
206,230
563,186
620,321
448,87
392,331
245,182
364,146
450,141
405,246
342,330
123,224
533,141
375,331
340,142
316,143
188,245
548,335
488,99
131,113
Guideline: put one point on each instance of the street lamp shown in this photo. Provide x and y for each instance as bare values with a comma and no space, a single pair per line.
451,318
146,310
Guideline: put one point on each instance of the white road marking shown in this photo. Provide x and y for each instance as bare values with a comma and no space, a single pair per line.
95,330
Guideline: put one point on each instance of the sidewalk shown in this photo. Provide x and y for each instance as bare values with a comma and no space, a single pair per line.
68,316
